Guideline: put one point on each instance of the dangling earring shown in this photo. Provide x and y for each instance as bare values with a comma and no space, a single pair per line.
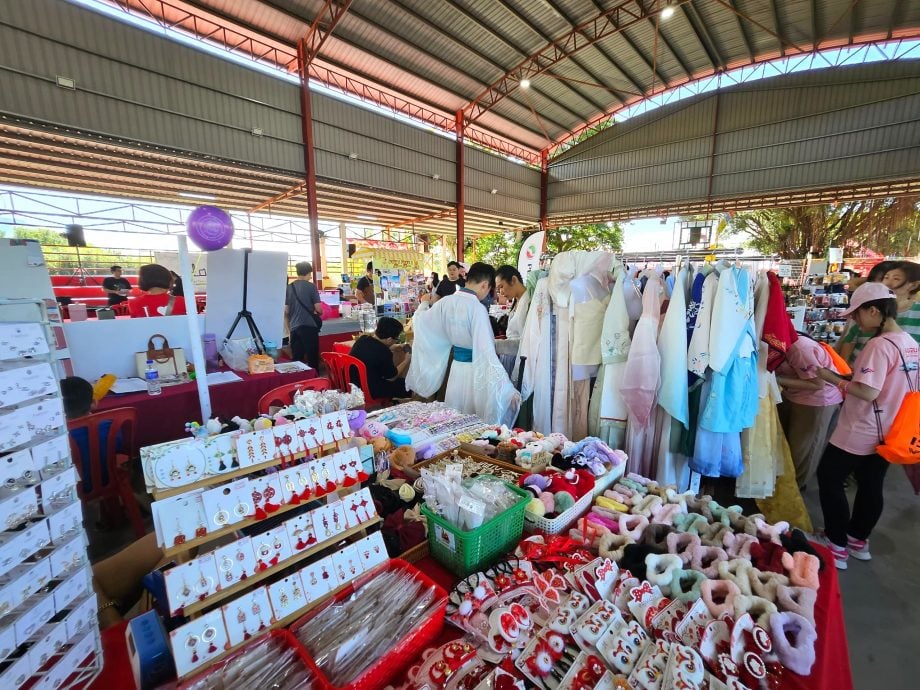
201,530
192,644
179,539
330,485
209,635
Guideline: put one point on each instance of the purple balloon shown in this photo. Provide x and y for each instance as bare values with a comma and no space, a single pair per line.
210,228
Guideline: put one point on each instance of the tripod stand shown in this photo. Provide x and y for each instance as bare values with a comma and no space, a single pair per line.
244,313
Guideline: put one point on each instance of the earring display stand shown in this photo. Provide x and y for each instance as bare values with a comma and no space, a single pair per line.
44,614
207,606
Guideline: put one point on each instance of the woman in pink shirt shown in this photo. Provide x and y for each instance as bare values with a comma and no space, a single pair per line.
882,376
810,405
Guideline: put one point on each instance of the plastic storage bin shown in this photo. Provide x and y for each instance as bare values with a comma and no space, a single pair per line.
562,522
403,651
466,552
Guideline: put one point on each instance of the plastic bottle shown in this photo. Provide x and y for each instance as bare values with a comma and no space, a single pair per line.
153,379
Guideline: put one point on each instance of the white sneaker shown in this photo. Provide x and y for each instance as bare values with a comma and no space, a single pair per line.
840,553
858,548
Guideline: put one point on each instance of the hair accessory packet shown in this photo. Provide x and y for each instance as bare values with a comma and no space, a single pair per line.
466,504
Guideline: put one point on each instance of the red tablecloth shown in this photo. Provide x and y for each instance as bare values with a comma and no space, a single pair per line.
830,672
163,417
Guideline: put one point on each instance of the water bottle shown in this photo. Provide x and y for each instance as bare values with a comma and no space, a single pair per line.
153,379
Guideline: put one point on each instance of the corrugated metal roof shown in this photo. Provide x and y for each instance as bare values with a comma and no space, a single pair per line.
446,53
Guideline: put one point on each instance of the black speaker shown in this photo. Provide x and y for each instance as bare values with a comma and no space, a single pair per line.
74,236
352,248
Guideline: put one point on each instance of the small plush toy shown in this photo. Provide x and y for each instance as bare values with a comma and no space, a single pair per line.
196,430
244,425
381,444
356,419
402,459
372,430
214,426
261,423
536,507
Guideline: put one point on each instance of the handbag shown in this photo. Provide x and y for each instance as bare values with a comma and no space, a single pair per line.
316,317
169,361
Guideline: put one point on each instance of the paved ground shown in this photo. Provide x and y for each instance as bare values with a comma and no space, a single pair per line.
881,598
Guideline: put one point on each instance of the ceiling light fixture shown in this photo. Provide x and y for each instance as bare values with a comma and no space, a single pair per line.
668,11
366,217
525,83
256,132
353,155
435,177
196,195
494,191
66,83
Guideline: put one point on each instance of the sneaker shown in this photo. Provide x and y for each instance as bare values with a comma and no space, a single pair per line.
839,553
858,548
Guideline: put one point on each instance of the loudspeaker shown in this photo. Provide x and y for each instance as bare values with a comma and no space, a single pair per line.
74,236
352,248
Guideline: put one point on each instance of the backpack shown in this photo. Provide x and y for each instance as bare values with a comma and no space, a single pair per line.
840,364
901,446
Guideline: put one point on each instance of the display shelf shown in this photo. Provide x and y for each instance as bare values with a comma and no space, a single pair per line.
280,623
296,558
319,452
171,551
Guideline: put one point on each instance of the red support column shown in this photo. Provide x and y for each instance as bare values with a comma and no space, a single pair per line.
461,182
309,162
544,185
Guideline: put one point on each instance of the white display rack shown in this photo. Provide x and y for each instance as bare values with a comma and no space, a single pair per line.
49,633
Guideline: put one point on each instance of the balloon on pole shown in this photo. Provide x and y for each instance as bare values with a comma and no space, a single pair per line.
210,228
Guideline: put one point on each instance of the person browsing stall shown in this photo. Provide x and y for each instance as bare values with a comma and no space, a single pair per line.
853,340
303,309
508,282
449,285
364,291
904,281
116,287
478,383
155,282
883,374
385,378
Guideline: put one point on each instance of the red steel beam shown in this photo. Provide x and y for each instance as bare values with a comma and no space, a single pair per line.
461,184
323,24
605,24
421,219
544,187
309,161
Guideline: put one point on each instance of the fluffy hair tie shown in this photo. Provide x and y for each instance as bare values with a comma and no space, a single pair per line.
799,600
768,556
713,533
773,533
617,496
639,479
706,559
679,498
719,597
665,514
634,559
611,504
738,545
612,545
635,486
802,568
647,505
738,571
685,585
633,526
759,608
657,537
690,522
723,514
750,524
660,569
793,641
624,490
765,584
604,521
681,544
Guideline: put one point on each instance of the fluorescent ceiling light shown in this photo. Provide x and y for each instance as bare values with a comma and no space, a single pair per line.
667,12
366,217
195,195
525,83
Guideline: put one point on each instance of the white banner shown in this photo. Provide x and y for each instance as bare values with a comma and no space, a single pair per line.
531,249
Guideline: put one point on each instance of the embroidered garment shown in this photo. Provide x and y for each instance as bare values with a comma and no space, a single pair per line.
698,354
778,331
535,346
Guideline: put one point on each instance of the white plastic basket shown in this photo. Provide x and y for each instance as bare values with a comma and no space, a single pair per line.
561,522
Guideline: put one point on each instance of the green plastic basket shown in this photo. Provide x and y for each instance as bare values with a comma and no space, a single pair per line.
466,552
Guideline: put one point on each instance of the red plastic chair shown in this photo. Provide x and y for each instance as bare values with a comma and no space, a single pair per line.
339,368
284,395
117,454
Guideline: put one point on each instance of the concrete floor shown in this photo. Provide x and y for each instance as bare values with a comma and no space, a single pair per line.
881,598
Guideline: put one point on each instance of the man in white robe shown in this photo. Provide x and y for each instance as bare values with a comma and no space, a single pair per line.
509,283
478,383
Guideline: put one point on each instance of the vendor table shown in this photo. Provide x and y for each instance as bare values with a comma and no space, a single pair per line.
163,417
830,672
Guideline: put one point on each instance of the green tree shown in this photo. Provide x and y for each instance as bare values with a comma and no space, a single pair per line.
498,249
884,225
596,236
63,259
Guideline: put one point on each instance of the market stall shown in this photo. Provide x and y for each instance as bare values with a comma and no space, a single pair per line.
549,565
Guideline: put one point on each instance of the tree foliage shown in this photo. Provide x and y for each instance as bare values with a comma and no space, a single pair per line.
63,259
596,236
498,249
886,226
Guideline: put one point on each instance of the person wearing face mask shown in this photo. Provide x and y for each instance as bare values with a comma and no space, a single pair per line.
904,281
885,371
478,383
450,285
